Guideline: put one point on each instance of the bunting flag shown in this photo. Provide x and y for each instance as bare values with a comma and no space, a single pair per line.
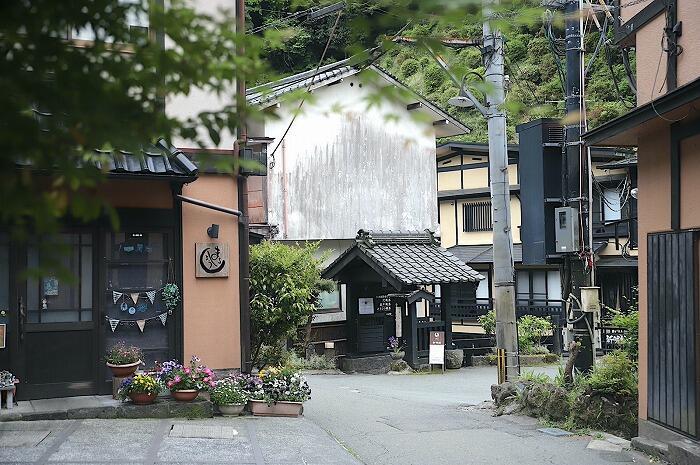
163,318
141,324
135,297
113,324
116,296
151,296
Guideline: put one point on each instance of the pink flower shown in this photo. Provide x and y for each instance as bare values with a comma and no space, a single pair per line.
170,384
206,380
208,371
187,371
177,379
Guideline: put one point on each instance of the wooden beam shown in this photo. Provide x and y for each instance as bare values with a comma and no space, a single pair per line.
625,33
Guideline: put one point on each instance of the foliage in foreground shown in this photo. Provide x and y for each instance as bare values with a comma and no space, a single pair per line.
628,319
605,399
285,282
531,330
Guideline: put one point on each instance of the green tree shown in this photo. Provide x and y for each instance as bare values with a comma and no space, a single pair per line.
285,282
63,98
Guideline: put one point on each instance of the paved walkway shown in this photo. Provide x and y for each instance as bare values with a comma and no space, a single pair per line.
430,419
246,440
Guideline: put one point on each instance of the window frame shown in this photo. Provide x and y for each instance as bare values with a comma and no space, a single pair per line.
477,216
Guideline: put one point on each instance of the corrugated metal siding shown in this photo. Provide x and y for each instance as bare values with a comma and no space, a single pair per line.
673,345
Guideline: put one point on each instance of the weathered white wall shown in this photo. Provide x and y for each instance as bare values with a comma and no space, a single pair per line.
343,167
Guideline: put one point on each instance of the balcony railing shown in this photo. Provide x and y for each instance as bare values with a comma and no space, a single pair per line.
470,311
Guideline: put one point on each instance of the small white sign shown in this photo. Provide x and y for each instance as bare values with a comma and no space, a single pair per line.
366,306
436,352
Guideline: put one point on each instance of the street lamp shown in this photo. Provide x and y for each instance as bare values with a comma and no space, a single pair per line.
465,99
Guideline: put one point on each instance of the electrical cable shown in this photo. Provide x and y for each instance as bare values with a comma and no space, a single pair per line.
313,78
631,80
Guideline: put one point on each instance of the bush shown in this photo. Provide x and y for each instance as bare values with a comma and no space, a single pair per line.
488,322
409,67
531,330
314,362
615,374
433,78
272,356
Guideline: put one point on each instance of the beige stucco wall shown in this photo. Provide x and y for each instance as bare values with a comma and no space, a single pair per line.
136,194
654,215
449,180
211,305
689,60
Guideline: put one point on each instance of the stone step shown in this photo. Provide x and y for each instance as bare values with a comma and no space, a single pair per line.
650,446
684,452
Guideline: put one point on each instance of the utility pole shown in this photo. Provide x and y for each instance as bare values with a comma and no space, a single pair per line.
575,176
503,270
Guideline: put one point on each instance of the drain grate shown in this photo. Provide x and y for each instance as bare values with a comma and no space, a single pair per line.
15,438
180,430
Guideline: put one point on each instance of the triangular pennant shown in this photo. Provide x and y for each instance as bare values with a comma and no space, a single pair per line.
113,324
151,296
141,324
163,317
116,296
135,297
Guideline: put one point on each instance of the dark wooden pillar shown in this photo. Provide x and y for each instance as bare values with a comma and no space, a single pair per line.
446,300
412,332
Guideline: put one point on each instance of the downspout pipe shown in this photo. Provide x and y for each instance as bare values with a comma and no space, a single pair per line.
243,220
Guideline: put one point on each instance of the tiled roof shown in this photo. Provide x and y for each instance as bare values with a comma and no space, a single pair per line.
156,160
152,160
482,253
412,258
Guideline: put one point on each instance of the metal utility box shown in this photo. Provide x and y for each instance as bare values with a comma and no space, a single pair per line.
539,169
566,229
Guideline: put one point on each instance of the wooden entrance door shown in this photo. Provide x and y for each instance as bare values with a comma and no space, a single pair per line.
54,335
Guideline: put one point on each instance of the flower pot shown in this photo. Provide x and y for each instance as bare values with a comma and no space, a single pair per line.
231,410
260,408
398,355
122,371
142,398
184,395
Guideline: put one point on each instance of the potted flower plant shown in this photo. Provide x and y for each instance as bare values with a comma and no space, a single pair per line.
123,360
230,396
279,392
142,389
396,350
185,382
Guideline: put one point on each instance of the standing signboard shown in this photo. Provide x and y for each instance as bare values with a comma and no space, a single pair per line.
436,353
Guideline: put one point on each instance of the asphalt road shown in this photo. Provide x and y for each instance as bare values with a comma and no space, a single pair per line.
430,419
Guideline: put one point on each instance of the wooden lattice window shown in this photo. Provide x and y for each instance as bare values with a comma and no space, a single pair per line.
477,216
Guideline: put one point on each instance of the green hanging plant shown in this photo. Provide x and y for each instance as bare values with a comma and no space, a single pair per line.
171,296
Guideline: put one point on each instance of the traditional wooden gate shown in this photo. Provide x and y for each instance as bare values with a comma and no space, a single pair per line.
672,277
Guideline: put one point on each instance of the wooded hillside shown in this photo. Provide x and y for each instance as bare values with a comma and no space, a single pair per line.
535,89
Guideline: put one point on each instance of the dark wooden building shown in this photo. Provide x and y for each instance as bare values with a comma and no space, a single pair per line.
392,280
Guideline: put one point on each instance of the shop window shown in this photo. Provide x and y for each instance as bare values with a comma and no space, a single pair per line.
138,263
64,299
477,216
329,302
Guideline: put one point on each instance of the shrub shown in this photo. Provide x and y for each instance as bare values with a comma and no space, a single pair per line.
272,356
314,362
629,321
531,376
409,67
285,282
488,322
614,374
122,354
531,330
433,77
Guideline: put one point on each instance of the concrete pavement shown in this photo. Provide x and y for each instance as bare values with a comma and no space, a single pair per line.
245,440
431,419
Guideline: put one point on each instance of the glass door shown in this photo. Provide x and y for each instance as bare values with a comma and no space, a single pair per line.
56,318
138,264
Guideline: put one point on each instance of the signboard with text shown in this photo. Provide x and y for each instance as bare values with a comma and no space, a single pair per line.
436,353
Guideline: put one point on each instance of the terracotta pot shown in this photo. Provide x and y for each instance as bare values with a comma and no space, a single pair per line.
141,398
231,410
122,371
398,355
260,408
184,395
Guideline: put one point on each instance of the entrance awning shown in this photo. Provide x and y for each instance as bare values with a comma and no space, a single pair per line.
404,259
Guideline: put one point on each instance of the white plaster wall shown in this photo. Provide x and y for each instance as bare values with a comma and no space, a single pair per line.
344,166
200,100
